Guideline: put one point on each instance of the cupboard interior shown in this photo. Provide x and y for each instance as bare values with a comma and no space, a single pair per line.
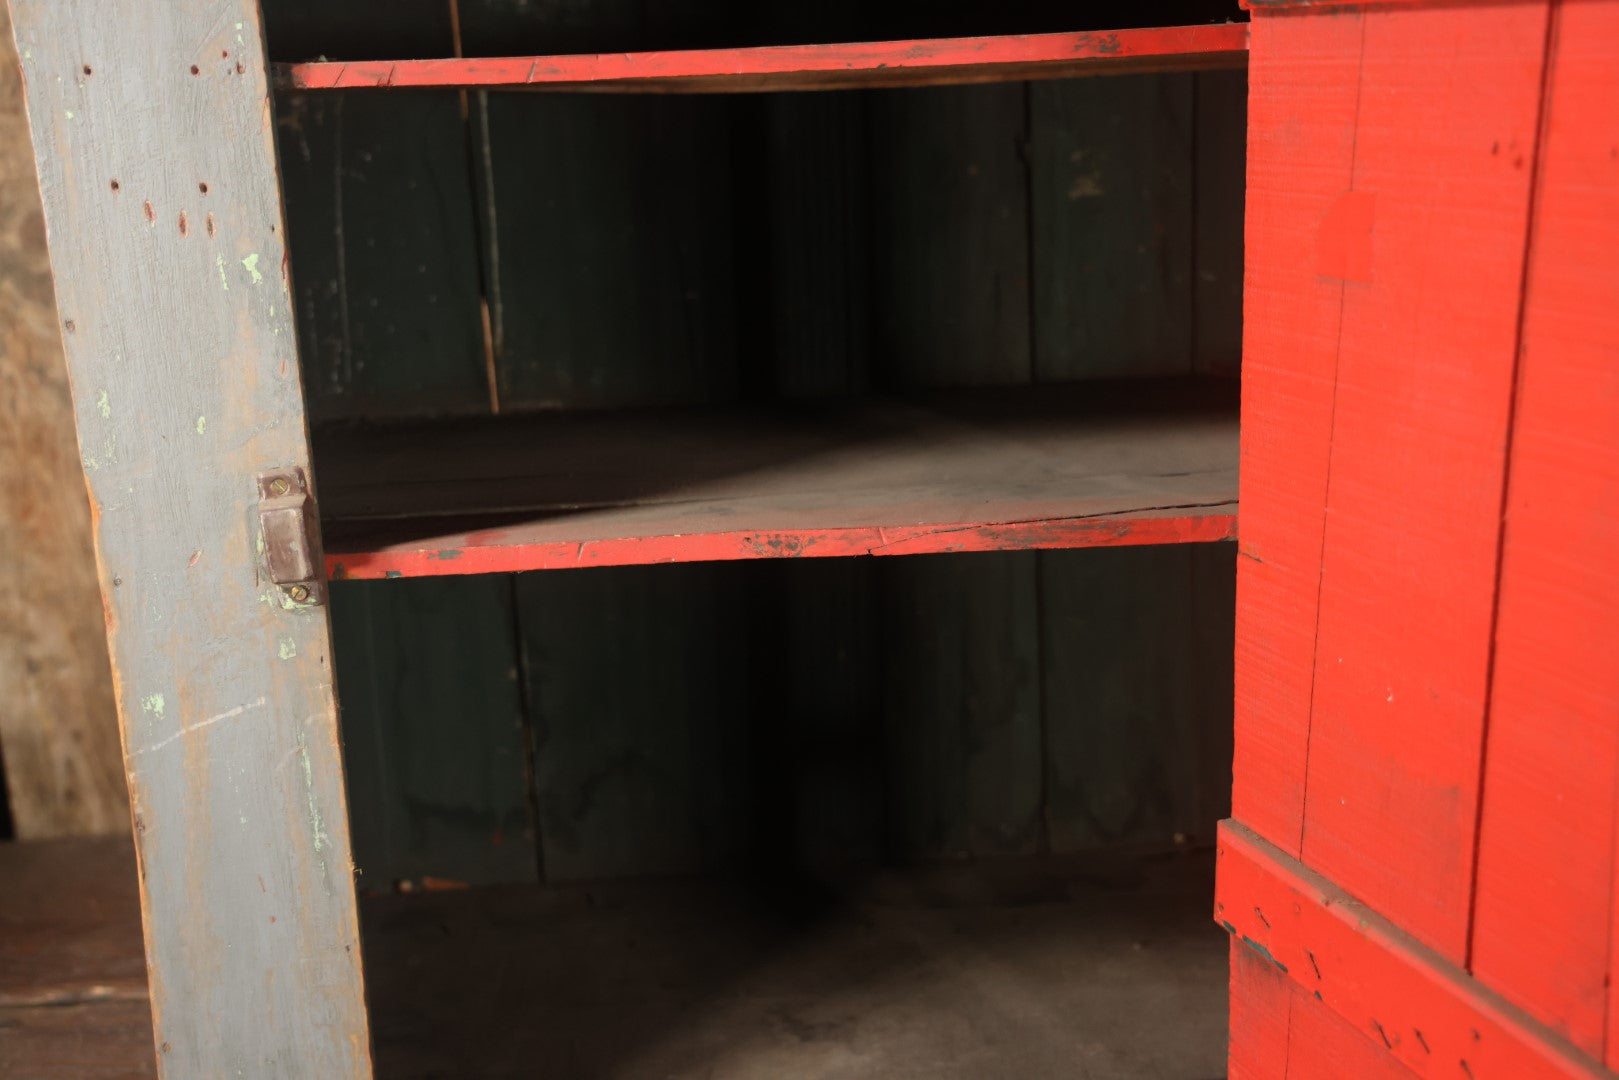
937,811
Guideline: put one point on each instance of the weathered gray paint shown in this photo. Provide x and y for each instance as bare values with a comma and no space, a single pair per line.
182,356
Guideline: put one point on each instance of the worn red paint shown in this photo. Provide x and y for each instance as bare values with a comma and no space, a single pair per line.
1401,996
1172,45
495,552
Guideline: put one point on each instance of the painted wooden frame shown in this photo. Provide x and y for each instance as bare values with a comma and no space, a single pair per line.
152,129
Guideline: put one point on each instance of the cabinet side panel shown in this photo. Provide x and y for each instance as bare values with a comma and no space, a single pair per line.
1545,848
152,127
1429,241
1302,85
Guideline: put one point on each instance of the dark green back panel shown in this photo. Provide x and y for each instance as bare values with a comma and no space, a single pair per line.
432,720
384,253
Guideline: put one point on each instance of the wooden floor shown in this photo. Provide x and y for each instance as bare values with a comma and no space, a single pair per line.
1016,969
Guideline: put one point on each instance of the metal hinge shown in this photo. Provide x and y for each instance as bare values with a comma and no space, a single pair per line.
288,524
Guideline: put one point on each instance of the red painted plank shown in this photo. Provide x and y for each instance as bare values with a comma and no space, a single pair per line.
1268,1010
778,67
1444,138
505,551
1398,995
1543,900
1301,108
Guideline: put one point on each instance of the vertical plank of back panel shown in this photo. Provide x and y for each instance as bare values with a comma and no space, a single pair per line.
962,702
1219,161
638,717
224,684
950,237
433,736
1303,76
1430,243
611,243
1122,738
1551,771
384,253
1111,179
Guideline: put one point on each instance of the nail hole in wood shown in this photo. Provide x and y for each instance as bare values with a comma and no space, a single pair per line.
115,185
185,226
195,70
69,325
151,215
87,69
203,187
239,67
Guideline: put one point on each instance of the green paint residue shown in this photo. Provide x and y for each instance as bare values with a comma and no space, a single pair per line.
69,113
202,425
153,703
224,282
252,265
393,573
1262,951
317,826
102,406
446,554
287,648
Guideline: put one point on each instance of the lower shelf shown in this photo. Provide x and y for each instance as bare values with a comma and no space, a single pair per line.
1040,467
962,973
1000,968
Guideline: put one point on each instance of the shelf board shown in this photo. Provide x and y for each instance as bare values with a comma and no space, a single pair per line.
920,62
1043,467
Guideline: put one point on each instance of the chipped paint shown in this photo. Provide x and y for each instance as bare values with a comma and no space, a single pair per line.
202,425
317,825
224,282
102,406
251,263
287,648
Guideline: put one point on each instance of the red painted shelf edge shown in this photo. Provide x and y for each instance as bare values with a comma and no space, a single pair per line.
441,558
878,58
1427,1012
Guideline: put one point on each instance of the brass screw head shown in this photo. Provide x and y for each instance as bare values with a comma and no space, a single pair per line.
279,486
299,593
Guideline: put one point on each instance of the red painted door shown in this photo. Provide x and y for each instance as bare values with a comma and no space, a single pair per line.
1419,876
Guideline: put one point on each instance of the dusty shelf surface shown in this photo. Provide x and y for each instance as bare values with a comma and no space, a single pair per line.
1024,970
1015,968
1039,467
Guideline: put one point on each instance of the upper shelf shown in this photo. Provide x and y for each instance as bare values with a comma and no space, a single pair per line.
921,62
1043,467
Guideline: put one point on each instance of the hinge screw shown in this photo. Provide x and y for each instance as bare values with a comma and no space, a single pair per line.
299,593
279,486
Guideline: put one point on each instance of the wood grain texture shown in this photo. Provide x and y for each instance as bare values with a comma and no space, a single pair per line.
640,746
1394,993
1301,113
950,237
224,690
1219,162
1111,182
385,259
1126,756
803,67
1003,470
616,260
1424,374
1544,892
58,728
433,733
962,705
1268,1010
70,925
